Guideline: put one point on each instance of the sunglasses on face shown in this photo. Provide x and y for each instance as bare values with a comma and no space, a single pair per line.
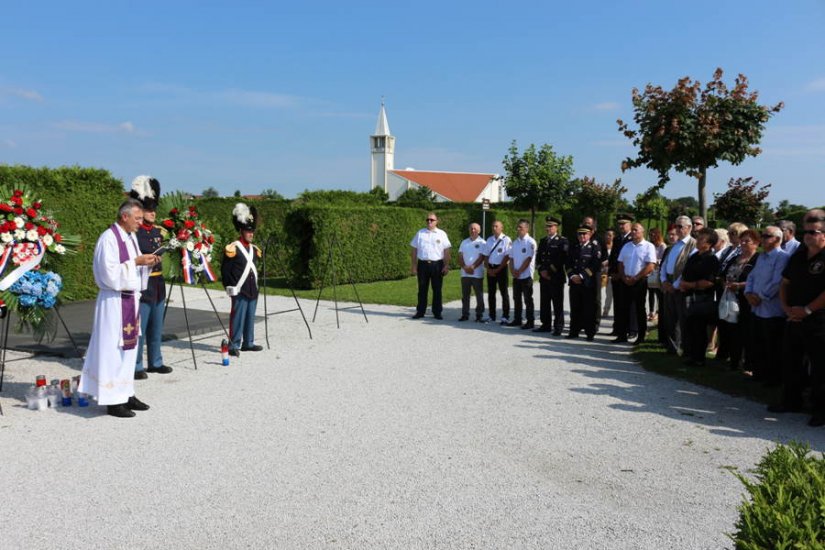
767,236
812,232
431,220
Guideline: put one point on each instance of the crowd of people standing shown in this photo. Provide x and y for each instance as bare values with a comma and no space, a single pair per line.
756,297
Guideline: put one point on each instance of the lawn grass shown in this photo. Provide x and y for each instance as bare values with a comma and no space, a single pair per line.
714,374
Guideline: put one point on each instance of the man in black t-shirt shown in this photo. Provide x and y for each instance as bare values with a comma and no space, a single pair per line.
802,294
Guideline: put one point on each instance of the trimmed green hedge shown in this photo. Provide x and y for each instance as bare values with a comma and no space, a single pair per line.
374,241
84,201
786,508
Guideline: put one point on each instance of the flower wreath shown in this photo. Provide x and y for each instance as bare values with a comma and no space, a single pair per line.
195,241
28,235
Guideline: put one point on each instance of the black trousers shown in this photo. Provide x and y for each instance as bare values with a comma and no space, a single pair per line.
768,333
429,274
523,290
500,282
551,303
582,310
806,337
632,303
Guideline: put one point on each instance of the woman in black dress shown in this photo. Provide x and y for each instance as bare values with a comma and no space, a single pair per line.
698,281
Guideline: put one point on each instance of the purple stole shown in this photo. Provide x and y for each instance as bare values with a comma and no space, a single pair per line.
129,316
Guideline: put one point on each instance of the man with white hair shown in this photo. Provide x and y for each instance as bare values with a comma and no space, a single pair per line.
789,242
470,259
674,312
762,293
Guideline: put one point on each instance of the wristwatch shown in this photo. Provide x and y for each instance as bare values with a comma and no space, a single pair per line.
808,310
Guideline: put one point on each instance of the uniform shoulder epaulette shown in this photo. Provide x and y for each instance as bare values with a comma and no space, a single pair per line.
229,250
258,251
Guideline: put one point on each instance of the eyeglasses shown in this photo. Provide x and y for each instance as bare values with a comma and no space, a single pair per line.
431,220
812,232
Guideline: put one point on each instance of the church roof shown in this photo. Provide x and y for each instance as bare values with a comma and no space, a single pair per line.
454,186
382,127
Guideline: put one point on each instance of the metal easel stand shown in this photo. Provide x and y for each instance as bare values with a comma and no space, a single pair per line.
177,281
272,241
5,335
334,245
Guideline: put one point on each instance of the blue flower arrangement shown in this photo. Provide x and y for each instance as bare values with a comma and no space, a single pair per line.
37,289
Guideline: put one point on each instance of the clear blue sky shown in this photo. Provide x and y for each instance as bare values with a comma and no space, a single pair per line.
254,95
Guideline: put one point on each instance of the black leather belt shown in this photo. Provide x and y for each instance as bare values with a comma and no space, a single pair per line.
430,261
494,265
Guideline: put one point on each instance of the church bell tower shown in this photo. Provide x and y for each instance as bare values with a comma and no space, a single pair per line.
382,146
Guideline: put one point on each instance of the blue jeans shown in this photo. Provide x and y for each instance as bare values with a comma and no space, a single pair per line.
151,332
242,322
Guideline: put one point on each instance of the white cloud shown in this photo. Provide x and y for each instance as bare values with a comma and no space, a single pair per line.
817,85
21,93
96,127
606,106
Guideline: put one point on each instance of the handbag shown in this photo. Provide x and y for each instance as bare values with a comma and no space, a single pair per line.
653,280
729,307
701,304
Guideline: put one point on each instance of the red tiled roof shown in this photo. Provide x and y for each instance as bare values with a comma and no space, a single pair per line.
455,186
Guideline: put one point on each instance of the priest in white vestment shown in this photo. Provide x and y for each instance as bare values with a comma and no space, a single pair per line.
121,272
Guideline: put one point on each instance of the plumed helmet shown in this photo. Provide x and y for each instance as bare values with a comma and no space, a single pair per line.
146,189
244,218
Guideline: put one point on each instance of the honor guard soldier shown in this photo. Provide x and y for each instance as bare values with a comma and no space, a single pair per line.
584,266
551,257
240,279
620,293
146,189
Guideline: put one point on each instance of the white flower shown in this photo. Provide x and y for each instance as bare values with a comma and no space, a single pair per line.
47,239
190,246
31,235
209,258
60,249
174,243
196,253
18,221
6,237
19,234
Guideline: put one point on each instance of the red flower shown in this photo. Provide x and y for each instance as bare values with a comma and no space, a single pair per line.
197,234
18,193
173,212
191,207
210,239
17,200
189,224
183,235
18,211
58,237
5,207
29,226
37,205
31,212
168,224
42,230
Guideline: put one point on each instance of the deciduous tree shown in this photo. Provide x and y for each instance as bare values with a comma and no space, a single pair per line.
538,178
210,193
742,202
690,129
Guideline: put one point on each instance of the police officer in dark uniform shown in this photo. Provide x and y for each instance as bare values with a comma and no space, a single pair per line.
802,294
621,295
150,237
551,257
584,266
239,274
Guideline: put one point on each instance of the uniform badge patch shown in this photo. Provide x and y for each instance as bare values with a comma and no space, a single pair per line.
817,267
476,245
499,250
524,251
438,241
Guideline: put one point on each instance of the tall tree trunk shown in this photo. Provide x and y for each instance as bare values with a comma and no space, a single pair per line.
532,219
703,207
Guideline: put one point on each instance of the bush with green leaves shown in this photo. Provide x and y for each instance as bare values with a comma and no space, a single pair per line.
786,508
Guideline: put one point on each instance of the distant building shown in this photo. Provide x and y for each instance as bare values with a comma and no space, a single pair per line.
447,186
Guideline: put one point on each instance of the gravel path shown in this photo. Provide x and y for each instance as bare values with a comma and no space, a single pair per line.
390,434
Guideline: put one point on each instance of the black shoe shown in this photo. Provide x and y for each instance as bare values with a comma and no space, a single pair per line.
256,347
591,337
528,325
556,333
631,335
141,375
619,340
234,352
613,333
439,317
163,369
120,411
135,404
816,421
543,328
513,324
572,336
637,341
781,408
693,363
463,318
418,316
